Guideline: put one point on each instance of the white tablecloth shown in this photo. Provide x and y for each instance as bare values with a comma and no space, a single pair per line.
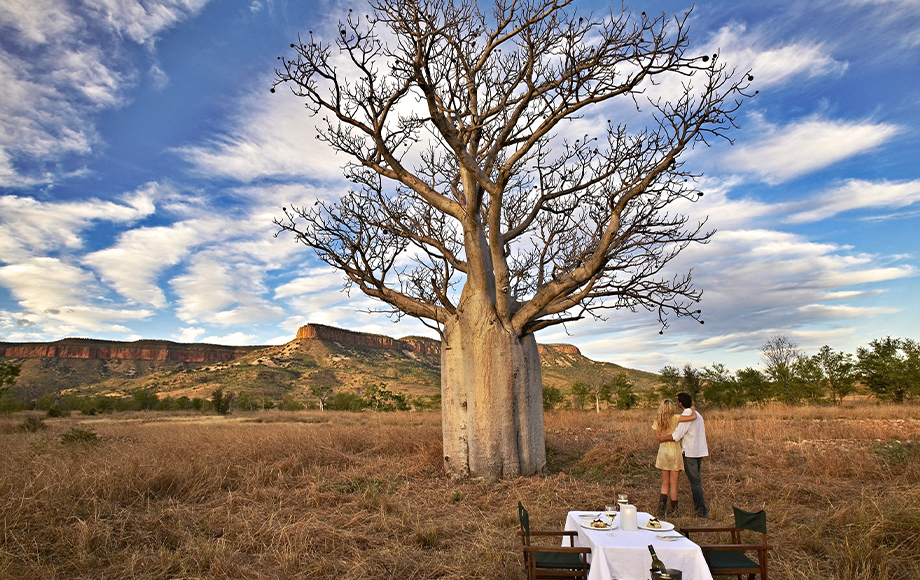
621,555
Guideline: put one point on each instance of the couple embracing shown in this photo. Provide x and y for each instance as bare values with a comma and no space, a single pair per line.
682,446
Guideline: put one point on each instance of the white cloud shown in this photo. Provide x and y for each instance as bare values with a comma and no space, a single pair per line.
857,194
34,22
132,265
189,334
232,339
75,67
274,136
899,19
756,283
142,21
316,280
771,65
57,295
30,227
755,279
778,154
223,289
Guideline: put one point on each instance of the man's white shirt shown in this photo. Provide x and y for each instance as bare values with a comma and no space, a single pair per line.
692,436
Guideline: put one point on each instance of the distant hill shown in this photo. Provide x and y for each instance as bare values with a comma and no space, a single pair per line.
343,358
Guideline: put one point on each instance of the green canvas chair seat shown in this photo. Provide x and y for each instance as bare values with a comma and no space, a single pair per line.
557,560
545,561
733,559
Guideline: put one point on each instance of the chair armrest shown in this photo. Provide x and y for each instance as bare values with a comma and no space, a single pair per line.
734,547
557,549
707,529
549,533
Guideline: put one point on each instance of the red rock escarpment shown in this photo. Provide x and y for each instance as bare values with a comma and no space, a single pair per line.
559,349
340,335
149,350
411,343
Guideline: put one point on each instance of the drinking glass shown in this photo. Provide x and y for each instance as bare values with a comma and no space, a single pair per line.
611,509
622,499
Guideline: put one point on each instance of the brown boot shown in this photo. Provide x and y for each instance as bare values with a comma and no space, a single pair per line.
672,509
662,506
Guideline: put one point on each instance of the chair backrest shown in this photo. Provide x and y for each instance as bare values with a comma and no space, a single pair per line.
524,518
754,521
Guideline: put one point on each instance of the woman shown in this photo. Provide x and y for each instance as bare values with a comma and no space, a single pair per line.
669,459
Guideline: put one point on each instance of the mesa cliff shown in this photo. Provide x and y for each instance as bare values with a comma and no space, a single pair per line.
141,350
167,351
349,359
418,344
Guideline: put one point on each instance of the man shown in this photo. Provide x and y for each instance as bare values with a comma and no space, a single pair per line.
692,438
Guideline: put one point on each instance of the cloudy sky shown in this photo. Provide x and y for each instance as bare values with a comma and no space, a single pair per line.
142,160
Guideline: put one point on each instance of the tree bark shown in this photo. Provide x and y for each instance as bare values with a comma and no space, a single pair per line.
491,397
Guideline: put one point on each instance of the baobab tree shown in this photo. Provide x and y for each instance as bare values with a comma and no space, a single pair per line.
476,209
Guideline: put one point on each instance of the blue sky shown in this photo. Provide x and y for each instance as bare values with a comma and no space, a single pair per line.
142,160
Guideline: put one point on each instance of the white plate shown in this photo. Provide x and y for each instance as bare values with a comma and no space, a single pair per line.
665,526
588,525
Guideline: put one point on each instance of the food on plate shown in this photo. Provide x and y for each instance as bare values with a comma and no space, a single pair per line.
599,523
654,523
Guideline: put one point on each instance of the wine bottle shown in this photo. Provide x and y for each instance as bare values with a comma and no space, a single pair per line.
657,564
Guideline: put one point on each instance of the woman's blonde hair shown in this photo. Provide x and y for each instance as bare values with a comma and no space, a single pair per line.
666,411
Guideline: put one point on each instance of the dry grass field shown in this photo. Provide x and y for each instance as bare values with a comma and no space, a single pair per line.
322,495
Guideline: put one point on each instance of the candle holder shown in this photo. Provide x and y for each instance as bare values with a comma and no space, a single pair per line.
629,518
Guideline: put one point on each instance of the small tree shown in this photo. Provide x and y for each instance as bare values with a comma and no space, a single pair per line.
8,373
669,382
581,394
552,396
380,398
780,355
890,368
592,394
322,386
144,399
720,388
623,392
839,372
246,402
221,401
9,400
343,401
690,381
753,384
810,379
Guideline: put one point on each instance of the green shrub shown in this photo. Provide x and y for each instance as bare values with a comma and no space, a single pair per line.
77,436
289,403
347,402
552,396
33,424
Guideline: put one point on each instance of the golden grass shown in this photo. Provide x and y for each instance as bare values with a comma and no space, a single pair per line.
338,495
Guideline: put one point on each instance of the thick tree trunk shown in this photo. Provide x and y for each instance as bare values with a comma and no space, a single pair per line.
492,397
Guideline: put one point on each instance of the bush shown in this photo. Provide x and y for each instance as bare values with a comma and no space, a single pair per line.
221,401
33,424
289,403
552,396
77,436
9,401
347,402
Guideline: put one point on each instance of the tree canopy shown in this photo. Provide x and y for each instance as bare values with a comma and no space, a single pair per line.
459,125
